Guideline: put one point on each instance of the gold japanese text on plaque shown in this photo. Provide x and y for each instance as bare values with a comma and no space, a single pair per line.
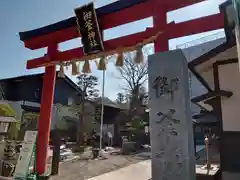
89,29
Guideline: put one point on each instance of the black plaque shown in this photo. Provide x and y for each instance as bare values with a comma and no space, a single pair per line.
98,113
88,27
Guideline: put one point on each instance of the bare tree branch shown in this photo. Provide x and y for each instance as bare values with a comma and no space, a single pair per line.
134,76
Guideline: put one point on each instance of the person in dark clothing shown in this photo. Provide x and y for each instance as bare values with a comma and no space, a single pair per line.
95,143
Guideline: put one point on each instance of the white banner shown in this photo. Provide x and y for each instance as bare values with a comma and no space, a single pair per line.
237,34
25,156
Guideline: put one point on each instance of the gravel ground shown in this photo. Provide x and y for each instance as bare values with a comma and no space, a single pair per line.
84,169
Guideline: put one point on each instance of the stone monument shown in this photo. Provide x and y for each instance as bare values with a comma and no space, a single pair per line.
170,117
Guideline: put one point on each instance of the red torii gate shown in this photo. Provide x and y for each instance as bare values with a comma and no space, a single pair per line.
109,16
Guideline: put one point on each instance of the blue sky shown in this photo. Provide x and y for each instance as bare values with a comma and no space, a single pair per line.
22,15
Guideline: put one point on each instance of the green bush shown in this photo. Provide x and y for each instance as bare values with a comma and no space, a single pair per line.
78,149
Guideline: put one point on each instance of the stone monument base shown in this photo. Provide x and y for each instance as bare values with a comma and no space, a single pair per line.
203,173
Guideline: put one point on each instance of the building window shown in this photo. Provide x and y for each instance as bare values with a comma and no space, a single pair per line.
4,127
70,101
2,92
37,94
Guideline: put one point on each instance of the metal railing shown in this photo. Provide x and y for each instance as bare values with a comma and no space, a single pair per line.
201,40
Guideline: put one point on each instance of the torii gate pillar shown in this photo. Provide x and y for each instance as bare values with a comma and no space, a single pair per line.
160,22
46,112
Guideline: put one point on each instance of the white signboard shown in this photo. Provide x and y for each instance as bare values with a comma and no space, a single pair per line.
25,156
4,126
236,5
170,117
48,170
237,33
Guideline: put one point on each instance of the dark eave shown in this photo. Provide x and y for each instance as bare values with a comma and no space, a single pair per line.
73,84
67,79
223,5
30,108
211,95
108,9
22,77
227,61
199,77
205,118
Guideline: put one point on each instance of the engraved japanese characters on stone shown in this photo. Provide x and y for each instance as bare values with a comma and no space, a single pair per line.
171,161
179,158
164,85
161,130
160,154
168,116
170,121
166,130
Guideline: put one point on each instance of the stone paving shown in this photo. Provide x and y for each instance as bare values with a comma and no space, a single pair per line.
116,167
139,171
86,169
